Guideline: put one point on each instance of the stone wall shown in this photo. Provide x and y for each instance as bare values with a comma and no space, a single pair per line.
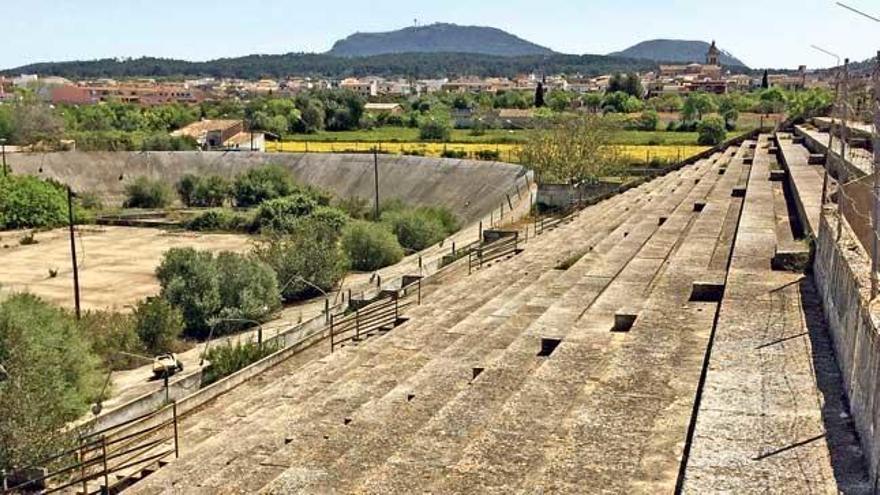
841,273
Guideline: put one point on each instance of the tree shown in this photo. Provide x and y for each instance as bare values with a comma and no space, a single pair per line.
414,229
711,131
302,261
539,95
34,122
632,85
765,80
52,376
646,121
593,102
559,101
728,111
27,201
621,102
189,281
772,100
573,149
158,325
697,105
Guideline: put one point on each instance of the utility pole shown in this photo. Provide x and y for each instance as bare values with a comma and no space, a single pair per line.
73,252
841,173
3,147
875,206
834,108
376,179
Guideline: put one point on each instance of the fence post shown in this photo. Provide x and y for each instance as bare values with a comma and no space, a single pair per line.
420,263
470,261
104,459
357,325
419,292
509,203
396,309
326,310
332,344
453,249
176,438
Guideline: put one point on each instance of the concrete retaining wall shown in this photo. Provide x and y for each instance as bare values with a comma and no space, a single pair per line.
854,333
469,188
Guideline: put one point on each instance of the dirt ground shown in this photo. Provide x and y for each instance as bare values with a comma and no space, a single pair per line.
116,264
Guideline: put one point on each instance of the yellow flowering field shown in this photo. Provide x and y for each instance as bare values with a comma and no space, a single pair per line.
506,152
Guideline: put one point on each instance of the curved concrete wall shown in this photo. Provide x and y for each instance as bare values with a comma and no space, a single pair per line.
469,188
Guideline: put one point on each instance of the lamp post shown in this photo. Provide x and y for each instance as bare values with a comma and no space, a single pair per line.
831,130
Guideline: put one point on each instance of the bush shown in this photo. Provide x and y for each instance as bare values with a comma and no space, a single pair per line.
112,334
227,359
646,121
261,184
147,193
212,190
370,246
355,207
303,254
220,220
446,218
415,230
27,201
54,375
435,128
450,153
489,155
158,325
206,288
281,214
712,131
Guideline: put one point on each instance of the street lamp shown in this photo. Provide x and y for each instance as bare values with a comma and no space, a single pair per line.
831,130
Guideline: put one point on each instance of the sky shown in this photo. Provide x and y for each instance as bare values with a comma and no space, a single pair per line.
769,33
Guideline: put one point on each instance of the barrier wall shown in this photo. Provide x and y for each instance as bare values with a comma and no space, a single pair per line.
841,274
469,188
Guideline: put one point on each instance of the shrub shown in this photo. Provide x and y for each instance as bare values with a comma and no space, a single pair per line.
54,376
90,200
489,155
111,335
280,214
206,288
158,325
435,128
147,193
712,131
355,207
303,254
227,359
370,246
325,222
27,201
220,220
449,153
646,121
448,219
203,191
415,230
261,184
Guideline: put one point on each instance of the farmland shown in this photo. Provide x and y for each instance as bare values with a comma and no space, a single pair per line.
506,152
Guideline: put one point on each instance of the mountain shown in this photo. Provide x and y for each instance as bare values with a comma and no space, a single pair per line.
415,65
434,38
683,51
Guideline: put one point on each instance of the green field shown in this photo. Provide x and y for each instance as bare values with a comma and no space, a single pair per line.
491,136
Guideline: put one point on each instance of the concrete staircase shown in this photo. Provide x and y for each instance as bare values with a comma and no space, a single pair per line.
576,365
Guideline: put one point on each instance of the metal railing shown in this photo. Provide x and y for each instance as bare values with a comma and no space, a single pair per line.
504,246
100,455
382,314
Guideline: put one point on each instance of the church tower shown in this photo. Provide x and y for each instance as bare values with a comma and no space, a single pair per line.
713,55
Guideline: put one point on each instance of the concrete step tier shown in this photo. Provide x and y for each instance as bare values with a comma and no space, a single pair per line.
435,389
